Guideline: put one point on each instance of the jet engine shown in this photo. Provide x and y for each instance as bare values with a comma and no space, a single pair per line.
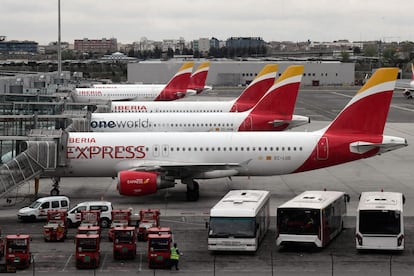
133,183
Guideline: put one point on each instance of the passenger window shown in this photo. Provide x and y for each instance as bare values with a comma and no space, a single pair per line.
45,205
79,209
103,208
55,204
64,203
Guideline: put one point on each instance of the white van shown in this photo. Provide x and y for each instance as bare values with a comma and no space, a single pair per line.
38,209
74,214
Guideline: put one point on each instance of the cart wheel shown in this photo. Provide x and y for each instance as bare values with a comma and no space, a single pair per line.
105,223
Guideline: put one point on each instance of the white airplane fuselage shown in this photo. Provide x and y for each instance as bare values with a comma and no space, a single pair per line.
144,92
172,106
232,153
102,154
194,122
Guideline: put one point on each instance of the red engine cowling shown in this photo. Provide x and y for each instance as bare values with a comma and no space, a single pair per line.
132,183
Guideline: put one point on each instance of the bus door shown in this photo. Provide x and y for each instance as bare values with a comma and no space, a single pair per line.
322,149
325,233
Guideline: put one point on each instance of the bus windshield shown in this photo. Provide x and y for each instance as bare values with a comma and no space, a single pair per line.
379,222
224,227
298,221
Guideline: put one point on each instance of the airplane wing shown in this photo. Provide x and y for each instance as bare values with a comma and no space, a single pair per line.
185,169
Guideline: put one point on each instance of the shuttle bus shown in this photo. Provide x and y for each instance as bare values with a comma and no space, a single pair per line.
313,217
379,221
239,221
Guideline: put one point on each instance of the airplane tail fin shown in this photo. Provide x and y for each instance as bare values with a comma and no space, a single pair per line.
275,110
256,89
367,111
281,97
177,86
198,78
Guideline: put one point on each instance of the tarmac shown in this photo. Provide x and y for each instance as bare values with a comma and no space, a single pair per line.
391,171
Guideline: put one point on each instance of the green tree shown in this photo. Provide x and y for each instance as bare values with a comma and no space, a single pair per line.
344,56
371,51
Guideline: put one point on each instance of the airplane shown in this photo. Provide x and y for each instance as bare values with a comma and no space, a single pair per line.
247,99
407,91
146,162
175,89
198,79
273,112
195,86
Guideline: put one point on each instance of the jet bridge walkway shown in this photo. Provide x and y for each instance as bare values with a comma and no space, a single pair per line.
40,154
43,152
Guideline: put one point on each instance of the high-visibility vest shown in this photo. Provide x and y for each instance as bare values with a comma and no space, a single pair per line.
174,254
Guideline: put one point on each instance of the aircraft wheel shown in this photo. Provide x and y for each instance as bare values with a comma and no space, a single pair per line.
193,194
54,192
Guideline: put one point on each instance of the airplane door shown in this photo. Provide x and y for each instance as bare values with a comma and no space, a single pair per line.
322,149
165,150
156,150
248,123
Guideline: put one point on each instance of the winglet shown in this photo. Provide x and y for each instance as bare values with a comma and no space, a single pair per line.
256,89
198,78
177,86
367,111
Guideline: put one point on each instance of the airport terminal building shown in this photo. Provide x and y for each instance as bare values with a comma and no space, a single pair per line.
235,73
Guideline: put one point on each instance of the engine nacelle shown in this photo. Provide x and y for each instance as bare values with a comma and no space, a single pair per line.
132,183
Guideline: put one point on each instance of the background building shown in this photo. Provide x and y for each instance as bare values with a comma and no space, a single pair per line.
17,47
234,73
96,45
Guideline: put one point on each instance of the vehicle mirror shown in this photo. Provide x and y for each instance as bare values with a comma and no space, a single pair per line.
207,225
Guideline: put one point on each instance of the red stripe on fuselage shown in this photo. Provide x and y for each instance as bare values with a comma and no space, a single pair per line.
175,89
338,151
366,116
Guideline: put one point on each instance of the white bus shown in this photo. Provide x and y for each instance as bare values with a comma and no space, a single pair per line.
239,221
379,221
313,217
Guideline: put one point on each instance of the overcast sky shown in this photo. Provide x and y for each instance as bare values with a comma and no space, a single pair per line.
273,20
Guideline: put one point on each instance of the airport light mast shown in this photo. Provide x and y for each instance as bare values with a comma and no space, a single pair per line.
59,47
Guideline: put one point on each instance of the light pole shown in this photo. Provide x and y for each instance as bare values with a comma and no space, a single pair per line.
59,47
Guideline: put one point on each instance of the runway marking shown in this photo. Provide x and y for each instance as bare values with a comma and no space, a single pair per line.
393,105
67,262
402,108
103,262
140,262
340,94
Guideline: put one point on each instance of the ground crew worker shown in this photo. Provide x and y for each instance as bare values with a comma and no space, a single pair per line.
175,256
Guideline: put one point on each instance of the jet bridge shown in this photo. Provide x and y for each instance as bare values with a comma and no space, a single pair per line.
42,153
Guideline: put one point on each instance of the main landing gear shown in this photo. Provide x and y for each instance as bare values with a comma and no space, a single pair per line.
55,190
193,193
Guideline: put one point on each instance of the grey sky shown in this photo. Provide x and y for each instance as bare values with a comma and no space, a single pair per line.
273,20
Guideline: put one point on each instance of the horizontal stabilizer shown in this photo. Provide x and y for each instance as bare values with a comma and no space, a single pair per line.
389,143
296,121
